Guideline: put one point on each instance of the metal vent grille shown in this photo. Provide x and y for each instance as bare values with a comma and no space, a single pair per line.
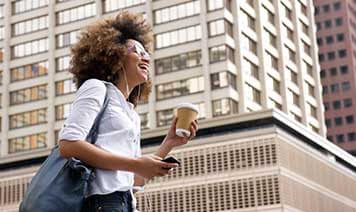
220,196
13,190
223,158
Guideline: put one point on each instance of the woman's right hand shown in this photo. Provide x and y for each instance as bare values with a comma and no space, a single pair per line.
152,166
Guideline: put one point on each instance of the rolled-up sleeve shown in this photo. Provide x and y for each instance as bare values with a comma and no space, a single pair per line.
86,106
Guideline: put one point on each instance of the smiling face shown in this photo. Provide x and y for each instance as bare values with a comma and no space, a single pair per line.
137,63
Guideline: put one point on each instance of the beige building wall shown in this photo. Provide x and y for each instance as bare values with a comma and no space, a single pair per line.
254,55
254,169
275,164
244,158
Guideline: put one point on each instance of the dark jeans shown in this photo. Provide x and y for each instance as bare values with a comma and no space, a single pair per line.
119,201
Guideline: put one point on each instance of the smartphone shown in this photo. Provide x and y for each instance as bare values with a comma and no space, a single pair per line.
171,159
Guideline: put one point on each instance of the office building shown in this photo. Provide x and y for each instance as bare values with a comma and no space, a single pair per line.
336,37
230,58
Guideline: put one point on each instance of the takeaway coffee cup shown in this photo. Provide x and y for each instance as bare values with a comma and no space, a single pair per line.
186,114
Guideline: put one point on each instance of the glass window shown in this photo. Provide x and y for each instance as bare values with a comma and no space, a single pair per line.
306,48
337,5
331,55
305,28
272,39
253,94
271,61
351,136
250,68
348,102
2,11
346,86
273,84
224,106
334,88
322,73
178,62
292,76
339,21
144,121
62,111
184,35
333,71
326,106
67,39
294,97
21,6
303,9
247,20
31,25
274,104
268,16
177,12
63,63
78,13
28,118
328,24
180,88
65,87
290,54
344,69
319,41
338,121
1,55
164,117
340,138
349,119
215,4
219,27
29,71
286,12
325,90
311,110
223,79
340,37
220,53
336,104
329,39
112,5
28,94
29,48
326,8
328,123
27,143
2,32
342,53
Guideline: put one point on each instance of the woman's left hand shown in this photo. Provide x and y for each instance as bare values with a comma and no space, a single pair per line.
174,140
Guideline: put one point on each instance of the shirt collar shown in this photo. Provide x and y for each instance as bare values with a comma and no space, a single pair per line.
121,97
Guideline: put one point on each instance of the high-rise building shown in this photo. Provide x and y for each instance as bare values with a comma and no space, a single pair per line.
336,37
230,58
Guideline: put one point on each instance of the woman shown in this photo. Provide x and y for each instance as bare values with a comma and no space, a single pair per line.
111,56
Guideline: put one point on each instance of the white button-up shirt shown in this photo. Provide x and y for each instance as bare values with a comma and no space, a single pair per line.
119,131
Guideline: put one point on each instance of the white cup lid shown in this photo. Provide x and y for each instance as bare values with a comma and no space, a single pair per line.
188,105
182,132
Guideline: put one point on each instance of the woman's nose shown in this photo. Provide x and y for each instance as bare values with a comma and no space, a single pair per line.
145,59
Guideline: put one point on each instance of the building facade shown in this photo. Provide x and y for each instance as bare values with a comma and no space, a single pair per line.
236,56
227,57
258,161
336,37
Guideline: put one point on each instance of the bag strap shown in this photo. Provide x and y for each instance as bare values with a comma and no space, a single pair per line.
93,132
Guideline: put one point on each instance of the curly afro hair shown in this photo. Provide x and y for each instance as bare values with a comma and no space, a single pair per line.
101,51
